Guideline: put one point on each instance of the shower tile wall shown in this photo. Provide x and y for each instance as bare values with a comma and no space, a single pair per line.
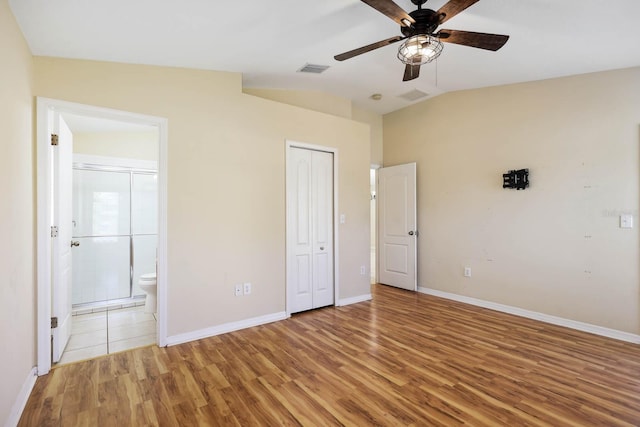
108,218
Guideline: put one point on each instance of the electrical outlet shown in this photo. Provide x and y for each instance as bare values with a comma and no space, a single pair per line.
247,288
467,272
238,290
363,270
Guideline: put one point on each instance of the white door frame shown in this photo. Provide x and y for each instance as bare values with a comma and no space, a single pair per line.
374,227
336,277
44,208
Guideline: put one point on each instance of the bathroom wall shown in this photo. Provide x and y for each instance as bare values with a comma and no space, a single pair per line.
17,216
226,192
134,145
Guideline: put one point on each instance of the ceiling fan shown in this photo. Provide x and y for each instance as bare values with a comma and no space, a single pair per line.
418,28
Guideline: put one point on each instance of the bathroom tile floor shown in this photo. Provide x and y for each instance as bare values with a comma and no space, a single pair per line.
109,331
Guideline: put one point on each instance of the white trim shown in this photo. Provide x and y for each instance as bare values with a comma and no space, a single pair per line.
90,159
225,328
354,300
44,207
336,218
554,320
21,400
163,235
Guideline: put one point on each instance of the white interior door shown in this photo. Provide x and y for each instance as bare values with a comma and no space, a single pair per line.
397,228
61,245
310,275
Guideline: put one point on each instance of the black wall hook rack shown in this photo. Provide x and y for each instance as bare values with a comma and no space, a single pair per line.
518,179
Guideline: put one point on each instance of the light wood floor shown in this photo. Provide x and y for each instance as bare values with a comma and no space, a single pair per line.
403,359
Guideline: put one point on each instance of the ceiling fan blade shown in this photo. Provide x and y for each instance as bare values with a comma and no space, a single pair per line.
392,10
453,8
411,72
367,48
469,38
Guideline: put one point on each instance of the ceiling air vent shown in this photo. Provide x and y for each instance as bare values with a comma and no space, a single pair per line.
413,95
313,68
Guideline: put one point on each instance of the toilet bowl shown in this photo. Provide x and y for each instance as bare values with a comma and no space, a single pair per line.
147,283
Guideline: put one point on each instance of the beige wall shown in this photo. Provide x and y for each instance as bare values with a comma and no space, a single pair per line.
132,145
375,122
329,104
556,247
311,100
226,217
17,221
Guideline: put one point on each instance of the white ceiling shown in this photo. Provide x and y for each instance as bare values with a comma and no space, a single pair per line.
268,41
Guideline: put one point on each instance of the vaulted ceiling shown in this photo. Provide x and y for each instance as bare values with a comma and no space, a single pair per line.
268,41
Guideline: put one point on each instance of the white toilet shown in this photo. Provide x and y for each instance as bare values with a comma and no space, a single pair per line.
147,283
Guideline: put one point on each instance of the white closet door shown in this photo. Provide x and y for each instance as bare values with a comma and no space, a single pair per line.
310,280
322,219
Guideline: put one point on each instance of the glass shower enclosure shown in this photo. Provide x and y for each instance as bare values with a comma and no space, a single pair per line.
115,222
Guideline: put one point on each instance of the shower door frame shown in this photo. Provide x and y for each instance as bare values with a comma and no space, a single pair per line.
44,159
93,163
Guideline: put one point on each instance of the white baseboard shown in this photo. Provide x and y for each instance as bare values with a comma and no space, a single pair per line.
225,328
247,323
354,300
568,323
22,398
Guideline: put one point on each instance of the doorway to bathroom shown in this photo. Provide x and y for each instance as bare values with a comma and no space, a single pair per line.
102,200
114,236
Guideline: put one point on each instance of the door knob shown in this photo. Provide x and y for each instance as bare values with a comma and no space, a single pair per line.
322,248
76,243
411,233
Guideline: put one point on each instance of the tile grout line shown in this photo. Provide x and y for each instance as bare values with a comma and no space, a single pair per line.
106,329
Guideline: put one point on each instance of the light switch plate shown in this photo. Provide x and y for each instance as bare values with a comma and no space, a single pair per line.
626,221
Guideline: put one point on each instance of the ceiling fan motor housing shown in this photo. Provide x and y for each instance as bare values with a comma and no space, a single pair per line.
427,21
421,44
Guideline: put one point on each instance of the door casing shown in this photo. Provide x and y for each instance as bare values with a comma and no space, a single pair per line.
44,202
336,277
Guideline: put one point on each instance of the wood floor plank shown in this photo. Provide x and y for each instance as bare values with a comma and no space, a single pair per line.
402,359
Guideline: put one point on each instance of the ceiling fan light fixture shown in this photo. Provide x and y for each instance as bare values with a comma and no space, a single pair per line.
420,49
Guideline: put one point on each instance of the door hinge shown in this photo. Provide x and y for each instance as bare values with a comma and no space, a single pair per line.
54,322
54,139
54,231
